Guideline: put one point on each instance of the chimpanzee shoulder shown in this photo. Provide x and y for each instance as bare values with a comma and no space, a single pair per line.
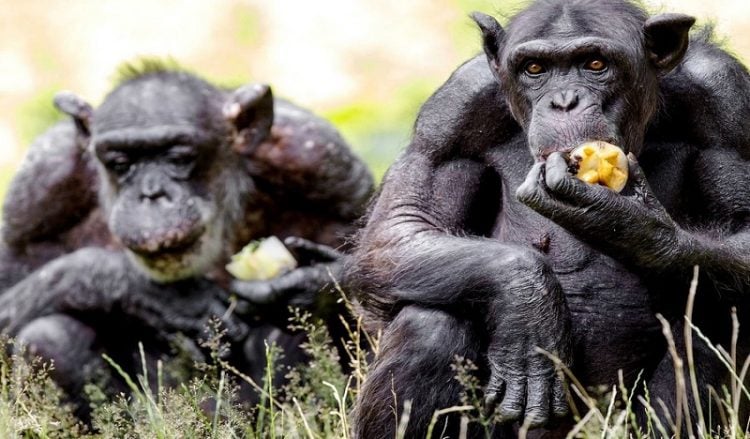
307,163
705,99
464,113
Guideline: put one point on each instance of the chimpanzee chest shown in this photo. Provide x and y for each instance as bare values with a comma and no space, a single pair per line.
613,319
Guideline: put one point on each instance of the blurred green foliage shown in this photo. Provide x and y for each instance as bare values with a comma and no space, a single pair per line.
6,173
378,129
37,114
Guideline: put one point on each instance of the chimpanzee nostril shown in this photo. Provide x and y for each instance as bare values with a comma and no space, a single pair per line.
152,188
565,100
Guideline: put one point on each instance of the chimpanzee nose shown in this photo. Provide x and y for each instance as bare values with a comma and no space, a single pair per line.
564,100
152,188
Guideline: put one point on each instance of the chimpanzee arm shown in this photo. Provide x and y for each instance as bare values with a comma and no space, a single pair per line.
427,243
634,226
54,189
723,251
88,279
95,280
637,229
48,207
439,190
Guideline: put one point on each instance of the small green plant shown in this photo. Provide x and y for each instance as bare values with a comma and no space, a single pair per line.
319,394
31,405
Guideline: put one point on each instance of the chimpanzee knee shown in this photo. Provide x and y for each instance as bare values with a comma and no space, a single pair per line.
66,342
413,366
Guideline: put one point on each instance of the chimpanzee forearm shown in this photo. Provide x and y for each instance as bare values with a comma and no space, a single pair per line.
94,280
88,279
12,269
726,261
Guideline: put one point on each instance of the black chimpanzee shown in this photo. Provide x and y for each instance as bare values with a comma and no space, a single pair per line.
119,224
483,244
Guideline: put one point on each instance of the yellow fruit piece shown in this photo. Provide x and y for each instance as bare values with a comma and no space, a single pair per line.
601,163
261,260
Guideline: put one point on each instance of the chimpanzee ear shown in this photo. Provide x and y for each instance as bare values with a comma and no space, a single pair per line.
80,110
667,39
492,36
250,110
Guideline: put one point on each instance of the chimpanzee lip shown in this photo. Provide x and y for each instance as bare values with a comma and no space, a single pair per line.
171,243
546,152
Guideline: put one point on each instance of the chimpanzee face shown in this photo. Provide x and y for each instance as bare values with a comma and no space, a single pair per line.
569,91
164,153
583,71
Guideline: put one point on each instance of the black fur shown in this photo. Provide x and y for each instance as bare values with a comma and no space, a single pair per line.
483,245
119,224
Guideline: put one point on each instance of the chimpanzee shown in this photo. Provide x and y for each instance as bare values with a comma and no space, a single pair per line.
484,245
119,224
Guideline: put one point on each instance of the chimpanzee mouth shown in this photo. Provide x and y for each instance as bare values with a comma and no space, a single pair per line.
173,243
545,152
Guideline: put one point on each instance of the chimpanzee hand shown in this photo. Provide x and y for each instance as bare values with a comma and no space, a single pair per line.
632,225
309,287
185,306
530,315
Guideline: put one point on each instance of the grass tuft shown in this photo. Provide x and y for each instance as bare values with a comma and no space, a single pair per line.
318,398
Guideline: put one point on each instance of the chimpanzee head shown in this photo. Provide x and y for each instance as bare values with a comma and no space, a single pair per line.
173,187
583,70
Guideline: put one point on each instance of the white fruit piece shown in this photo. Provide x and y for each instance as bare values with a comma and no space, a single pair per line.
261,260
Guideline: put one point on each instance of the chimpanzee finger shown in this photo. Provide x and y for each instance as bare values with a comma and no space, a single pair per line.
559,400
641,188
255,291
531,191
493,395
307,251
514,400
282,288
538,401
568,188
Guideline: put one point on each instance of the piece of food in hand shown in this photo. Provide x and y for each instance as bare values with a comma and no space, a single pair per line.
601,163
261,260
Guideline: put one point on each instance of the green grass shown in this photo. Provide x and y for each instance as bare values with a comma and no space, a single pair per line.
318,399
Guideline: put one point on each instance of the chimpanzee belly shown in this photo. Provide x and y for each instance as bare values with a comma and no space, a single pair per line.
613,321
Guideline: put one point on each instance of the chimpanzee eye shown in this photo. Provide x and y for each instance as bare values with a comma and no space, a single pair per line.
534,68
181,156
118,163
596,65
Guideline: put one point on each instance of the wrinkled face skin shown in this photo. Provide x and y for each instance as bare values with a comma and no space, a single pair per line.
170,186
582,76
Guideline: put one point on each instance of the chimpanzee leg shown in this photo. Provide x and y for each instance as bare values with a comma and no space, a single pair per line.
662,385
65,341
414,364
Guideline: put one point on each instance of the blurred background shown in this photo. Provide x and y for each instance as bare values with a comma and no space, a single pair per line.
367,65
